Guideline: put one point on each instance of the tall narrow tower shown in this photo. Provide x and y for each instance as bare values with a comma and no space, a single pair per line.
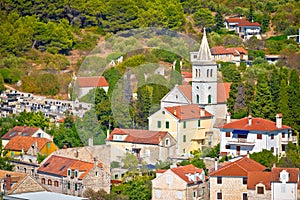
204,82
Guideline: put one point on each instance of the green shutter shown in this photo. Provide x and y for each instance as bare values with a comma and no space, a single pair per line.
158,124
167,124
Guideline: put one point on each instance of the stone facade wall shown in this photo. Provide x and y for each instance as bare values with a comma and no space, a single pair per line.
28,185
97,179
252,195
231,188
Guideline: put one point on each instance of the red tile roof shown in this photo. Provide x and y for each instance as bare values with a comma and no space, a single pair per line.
219,50
20,130
186,90
247,23
183,171
18,143
58,165
240,167
191,111
139,136
187,74
94,81
241,50
293,174
255,178
258,124
223,90
235,19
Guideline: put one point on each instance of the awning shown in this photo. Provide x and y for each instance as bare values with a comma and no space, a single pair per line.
240,132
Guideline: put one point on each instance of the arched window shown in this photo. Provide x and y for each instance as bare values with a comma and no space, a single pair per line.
56,183
167,142
211,71
199,73
43,180
207,73
49,182
209,98
197,99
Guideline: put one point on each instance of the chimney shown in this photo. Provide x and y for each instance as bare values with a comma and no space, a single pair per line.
216,164
175,111
107,133
228,117
202,113
95,161
7,181
279,120
91,142
249,120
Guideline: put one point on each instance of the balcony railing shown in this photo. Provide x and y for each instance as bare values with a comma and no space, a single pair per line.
241,141
289,139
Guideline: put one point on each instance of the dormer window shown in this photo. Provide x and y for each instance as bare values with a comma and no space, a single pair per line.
167,142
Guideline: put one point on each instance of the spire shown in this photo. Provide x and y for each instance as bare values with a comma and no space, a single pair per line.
204,51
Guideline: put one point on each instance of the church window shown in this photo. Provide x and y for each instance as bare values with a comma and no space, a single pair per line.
199,73
207,73
184,138
211,71
197,99
209,98
167,124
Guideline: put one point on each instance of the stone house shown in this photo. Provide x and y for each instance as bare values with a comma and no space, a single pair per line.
230,181
235,54
71,176
14,183
28,148
184,182
85,84
150,146
190,125
24,131
249,134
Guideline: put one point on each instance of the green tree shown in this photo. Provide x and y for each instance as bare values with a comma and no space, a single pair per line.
33,119
219,20
250,16
292,158
203,18
265,157
130,162
143,106
2,87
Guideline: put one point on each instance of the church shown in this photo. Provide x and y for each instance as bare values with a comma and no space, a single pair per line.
201,105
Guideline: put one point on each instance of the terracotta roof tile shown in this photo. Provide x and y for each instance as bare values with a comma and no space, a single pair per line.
240,167
223,90
187,74
191,111
186,90
139,136
247,23
58,165
219,50
183,171
20,130
18,143
293,172
258,124
255,178
94,81
241,50
235,19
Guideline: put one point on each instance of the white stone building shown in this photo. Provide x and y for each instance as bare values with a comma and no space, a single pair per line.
251,134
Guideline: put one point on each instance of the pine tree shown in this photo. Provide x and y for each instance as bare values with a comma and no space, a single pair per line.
274,85
250,15
219,19
283,101
143,106
294,99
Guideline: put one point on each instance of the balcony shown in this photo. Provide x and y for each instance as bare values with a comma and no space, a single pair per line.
286,140
241,141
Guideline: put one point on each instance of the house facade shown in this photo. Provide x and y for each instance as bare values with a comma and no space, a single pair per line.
183,182
190,125
28,148
251,134
235,55
71,176
25,131
243,27
85,84
150,146
230,181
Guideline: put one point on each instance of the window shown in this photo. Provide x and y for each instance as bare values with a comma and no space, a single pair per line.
96,174
211,72
167,143
184,138
282,188
169,179
179,195
69,172
272,149
56,183
272,136
12,153
167,124
184,124
245,196
69,185
283,135
219,180
147,152
195,194
197,99
227,146
49,182
158,124
259,136
227,134
209,98
76,173
219,195
43,180
245,180
157,193
202,191
76,187
207,74
199,123
116,176
260,190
